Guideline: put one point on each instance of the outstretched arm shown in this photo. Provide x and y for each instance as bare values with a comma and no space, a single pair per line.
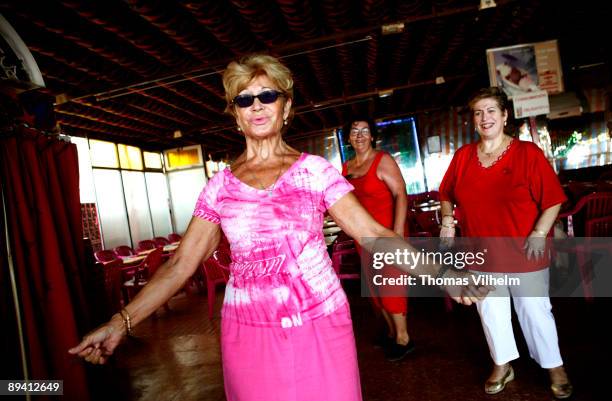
357,223
198,243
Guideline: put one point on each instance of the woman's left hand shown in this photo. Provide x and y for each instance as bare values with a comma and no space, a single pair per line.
535,245
447,237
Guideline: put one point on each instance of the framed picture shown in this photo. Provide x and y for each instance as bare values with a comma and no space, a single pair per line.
526,68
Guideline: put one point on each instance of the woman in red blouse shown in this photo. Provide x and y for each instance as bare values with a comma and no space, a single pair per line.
381,190
507,188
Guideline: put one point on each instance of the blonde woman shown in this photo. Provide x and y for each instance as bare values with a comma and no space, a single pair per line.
286,331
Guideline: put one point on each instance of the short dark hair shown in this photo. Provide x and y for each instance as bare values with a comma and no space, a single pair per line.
367,120
494,92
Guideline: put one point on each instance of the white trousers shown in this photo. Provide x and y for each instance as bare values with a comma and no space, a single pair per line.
534,315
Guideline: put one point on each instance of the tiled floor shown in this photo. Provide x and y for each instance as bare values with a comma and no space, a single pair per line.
176,355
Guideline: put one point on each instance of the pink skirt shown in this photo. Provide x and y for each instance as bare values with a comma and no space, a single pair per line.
315,361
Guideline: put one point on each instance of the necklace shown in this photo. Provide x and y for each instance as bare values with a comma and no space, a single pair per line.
489,154
271,189
505,150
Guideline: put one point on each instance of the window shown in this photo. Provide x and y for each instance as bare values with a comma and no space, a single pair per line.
152,160
130,157
398,138
180,158
103,154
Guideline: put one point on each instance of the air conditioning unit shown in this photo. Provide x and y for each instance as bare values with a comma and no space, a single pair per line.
564,105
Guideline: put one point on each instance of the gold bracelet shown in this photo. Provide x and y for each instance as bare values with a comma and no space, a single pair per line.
127,321
448,215
535,230
448,225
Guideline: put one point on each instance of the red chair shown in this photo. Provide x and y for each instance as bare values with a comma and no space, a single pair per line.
161,241
216,273
146,245
345,260
595,227
589,207
153,261
423,197
124,250
428,221
599,227
136,276
105,256
578,189
174,237
113,286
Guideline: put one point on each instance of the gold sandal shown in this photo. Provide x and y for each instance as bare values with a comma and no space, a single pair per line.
562,391
494,387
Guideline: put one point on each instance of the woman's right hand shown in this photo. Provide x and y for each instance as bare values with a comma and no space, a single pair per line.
100,343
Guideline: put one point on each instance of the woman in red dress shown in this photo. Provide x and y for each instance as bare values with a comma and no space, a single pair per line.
381,190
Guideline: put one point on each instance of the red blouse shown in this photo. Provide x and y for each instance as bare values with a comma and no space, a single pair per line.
505,199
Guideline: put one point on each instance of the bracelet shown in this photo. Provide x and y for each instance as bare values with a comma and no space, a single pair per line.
535,230
442,271
448,215
127,321
448,225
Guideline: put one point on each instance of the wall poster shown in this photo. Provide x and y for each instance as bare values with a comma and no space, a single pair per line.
526,68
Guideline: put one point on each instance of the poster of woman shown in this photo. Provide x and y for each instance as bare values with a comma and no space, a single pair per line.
526,68
515,69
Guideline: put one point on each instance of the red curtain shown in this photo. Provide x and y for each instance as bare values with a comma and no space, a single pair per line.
40,180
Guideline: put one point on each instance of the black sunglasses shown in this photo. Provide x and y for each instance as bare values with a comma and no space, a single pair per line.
265,97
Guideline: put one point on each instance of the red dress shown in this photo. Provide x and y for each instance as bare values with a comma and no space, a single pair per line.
377,199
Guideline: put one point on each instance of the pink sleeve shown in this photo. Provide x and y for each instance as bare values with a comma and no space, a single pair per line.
206,206
335,186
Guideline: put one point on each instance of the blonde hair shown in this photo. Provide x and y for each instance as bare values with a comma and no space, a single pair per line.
239,73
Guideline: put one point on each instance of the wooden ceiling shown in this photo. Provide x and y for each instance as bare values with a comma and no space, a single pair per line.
136,71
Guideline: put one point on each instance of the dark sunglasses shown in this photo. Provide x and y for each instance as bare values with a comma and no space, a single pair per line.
265,97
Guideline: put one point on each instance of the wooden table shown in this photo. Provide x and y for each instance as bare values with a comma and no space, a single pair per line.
128,260
167,248
330,231
171,247
428,206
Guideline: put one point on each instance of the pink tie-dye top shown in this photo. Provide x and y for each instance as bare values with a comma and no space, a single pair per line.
281,274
